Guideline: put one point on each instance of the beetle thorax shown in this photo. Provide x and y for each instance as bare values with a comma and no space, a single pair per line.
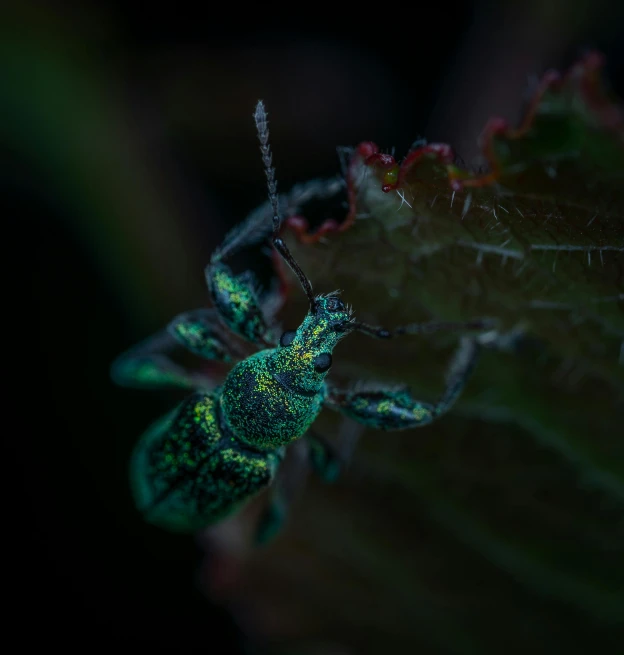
272,397
261,410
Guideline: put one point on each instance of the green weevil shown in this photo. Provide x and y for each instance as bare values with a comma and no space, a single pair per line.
221,446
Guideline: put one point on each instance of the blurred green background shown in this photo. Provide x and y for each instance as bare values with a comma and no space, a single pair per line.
128,151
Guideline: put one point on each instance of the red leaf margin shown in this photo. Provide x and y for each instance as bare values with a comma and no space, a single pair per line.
586,74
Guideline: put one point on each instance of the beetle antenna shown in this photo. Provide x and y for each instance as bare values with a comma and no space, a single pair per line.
260,116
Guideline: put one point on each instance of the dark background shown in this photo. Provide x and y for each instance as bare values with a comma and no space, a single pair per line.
128,150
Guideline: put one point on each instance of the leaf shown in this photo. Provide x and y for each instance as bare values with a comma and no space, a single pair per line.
519,492
425,239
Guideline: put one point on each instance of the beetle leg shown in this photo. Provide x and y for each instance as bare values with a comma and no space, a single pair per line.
201,332
396,409
378,332
237,299
324,457
290,479
328,459
149,365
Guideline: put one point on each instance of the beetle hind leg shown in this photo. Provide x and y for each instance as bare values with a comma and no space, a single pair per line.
289,481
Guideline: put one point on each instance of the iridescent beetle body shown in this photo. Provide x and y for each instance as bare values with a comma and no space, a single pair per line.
222,445
202,461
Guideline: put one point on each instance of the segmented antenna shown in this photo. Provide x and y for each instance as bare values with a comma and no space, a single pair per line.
262,125
254,228
260,116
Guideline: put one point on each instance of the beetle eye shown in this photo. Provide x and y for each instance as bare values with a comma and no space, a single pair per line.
335,304
288,337
322,362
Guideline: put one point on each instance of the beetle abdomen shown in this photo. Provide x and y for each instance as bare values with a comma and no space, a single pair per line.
186,473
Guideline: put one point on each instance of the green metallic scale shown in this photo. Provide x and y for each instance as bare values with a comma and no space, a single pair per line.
223,445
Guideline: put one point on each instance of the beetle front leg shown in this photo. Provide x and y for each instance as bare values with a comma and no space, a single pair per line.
237,299
378,332
396,409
